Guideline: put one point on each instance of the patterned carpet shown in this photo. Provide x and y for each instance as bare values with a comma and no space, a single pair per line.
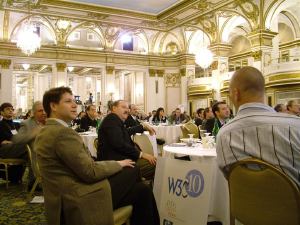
14,210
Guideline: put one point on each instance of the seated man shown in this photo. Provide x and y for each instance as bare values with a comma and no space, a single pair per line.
77,189
178,117
28,131
115,142
132,121
222,113
8,149
258,131
89,119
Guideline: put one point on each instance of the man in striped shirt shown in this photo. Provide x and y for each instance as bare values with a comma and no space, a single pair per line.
257,130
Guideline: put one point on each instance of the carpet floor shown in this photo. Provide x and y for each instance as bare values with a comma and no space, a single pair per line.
14,210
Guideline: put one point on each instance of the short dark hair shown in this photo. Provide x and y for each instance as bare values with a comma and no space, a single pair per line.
278,107
206,110
89,107
5,105
199,111
53,96
216,108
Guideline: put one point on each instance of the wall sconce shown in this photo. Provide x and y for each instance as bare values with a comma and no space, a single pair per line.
70,69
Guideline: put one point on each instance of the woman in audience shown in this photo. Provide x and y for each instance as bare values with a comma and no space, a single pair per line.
160,116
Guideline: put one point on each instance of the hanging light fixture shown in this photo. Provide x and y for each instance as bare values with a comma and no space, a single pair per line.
28,39
204,56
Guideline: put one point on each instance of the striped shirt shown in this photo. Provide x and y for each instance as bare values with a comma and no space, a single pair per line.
260,132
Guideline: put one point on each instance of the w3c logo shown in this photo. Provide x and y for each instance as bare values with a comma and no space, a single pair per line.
192,185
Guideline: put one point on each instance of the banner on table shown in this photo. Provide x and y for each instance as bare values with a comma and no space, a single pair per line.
182,191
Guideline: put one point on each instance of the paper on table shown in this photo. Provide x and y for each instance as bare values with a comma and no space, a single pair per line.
37,199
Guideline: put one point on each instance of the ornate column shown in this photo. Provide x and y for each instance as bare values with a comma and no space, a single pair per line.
261,46
6,81
59,75
219,67
108,86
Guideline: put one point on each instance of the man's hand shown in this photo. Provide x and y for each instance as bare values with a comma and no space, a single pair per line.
150,158
126,163
149,128
5,142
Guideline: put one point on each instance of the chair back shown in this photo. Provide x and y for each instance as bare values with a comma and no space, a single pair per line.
190,128
261,194
33,162
144,143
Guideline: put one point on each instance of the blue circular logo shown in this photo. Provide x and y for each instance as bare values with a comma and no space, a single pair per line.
194,183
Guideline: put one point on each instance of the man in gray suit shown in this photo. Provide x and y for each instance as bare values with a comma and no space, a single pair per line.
77,189
28,130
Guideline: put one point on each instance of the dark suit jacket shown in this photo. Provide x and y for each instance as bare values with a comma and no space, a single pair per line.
209,125
131,122
5,129
72,181
86,122
114,139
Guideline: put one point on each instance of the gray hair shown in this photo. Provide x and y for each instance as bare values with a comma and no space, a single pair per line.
35,105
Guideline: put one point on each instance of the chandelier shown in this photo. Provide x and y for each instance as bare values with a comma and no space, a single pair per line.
204,56
28,40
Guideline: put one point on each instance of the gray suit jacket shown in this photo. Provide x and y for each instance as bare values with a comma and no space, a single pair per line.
72,181
26,134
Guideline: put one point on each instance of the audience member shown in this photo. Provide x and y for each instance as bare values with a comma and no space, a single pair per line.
221,112
90,119
115,141
77,189
178,117
293,108
132,121
207,114
199,116
257,131
77,120
28,131
8,149
159,116
280,108
150,120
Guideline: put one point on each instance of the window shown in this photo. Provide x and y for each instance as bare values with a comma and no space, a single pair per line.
75,36
90,37
128,45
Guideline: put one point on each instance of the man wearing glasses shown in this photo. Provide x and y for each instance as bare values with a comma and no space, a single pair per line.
8,149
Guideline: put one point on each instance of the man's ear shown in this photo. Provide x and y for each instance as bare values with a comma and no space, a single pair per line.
53,106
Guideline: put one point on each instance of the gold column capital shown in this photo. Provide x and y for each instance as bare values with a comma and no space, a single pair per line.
5,63
160,73
152,72
61,67
183,72
110,69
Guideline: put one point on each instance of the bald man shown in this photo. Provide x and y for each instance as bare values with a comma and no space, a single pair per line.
258,131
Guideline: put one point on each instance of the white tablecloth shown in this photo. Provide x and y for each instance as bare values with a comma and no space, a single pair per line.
170,134
88,139
219,196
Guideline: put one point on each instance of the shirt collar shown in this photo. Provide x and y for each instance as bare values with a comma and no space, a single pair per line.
60,121
255,106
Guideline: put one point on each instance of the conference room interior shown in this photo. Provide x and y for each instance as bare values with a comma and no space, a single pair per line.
167,53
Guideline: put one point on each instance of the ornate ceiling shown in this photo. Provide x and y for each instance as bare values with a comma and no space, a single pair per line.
146,6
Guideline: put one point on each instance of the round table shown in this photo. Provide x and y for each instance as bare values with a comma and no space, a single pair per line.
88,140
170,133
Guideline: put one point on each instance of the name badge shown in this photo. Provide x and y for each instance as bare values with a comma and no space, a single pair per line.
14,132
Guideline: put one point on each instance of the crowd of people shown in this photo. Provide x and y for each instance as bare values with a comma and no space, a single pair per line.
77,185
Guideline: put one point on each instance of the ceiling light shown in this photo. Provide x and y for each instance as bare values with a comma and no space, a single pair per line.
204,57
28,40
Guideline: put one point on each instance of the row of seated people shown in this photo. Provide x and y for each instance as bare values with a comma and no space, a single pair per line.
78,189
